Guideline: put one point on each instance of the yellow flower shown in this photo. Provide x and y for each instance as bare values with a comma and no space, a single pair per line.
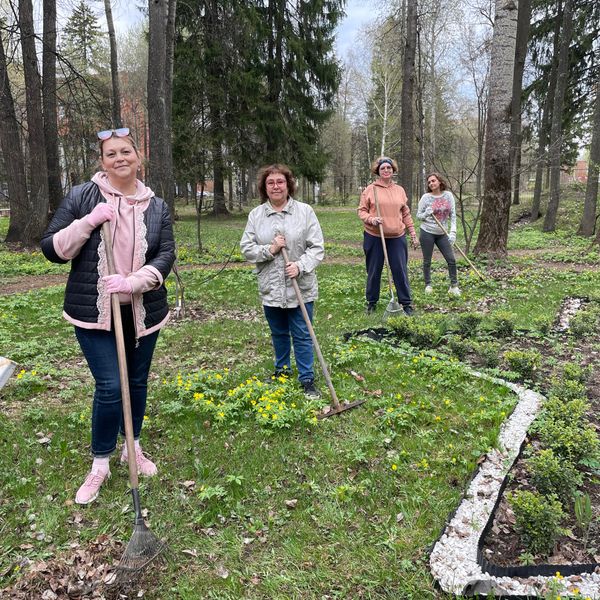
438,418
34,372
394,467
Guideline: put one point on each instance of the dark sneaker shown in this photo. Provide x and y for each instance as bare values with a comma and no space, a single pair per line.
408,310
310,391
370,308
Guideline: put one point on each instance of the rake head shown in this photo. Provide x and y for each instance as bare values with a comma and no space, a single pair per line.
330,411
143,548
393,310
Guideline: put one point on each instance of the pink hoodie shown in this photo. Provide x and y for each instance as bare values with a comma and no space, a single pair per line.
129,249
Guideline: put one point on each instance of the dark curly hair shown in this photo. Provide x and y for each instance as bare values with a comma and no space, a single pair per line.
267,170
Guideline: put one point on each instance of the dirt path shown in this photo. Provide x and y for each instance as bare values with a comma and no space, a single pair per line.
20,285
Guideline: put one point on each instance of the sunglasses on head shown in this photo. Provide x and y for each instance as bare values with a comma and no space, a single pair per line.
121,132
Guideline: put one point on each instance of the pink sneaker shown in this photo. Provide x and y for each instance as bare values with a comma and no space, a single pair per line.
144,465
88,492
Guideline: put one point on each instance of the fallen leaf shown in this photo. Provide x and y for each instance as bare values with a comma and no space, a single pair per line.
222,572
193,552
189,483
291,503
357,376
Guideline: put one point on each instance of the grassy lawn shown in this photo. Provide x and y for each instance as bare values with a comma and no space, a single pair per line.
256,497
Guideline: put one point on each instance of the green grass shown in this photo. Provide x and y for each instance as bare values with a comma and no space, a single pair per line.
341,508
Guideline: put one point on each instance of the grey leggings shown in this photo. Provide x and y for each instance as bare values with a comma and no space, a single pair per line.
428,240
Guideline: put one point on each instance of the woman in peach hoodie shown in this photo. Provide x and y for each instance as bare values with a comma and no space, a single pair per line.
394,216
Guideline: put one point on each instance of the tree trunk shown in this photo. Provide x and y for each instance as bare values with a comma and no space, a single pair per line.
10,144
114,67
55,192
38,170
493,232
557,113
159,95
588,218
219,207
515,130
407,126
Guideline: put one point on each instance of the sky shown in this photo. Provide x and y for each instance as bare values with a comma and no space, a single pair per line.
358,14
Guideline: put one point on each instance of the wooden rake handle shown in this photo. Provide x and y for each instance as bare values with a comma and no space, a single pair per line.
121,356
459,249
385,254
336,402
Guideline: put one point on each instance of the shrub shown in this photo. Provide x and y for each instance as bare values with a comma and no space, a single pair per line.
573,442
524,362
585,322
567,389
568,412
424,333
543,324
489,353
503,323
538,519
575,372
401,326
468,323
551,474
459,347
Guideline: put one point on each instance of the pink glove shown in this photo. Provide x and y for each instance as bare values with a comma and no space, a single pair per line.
102,212
117,284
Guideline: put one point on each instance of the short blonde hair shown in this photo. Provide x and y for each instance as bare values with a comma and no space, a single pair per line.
383,159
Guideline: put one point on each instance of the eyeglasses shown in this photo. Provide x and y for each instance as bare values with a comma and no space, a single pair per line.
108,133
274,182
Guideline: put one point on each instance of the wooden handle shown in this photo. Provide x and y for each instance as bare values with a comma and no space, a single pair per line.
385,254
121,356
459,249
336,402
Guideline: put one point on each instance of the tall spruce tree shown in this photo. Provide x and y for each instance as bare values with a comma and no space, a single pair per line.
268,80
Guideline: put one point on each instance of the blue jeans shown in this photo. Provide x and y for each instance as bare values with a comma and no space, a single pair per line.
286,322
397,251
427,241
100,351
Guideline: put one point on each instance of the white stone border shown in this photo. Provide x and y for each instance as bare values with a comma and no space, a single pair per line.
453,560
6,369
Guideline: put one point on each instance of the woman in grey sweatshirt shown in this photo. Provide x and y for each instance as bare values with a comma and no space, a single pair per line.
438,203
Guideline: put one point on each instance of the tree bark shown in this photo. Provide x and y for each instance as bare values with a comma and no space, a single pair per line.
159,95
114,67
493,233
515,129
38,170
10,143
557,113
588,218
407,121
55,192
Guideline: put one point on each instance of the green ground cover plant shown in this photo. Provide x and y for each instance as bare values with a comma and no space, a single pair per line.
254,506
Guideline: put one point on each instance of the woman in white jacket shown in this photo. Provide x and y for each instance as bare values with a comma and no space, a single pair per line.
438,202
282,222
